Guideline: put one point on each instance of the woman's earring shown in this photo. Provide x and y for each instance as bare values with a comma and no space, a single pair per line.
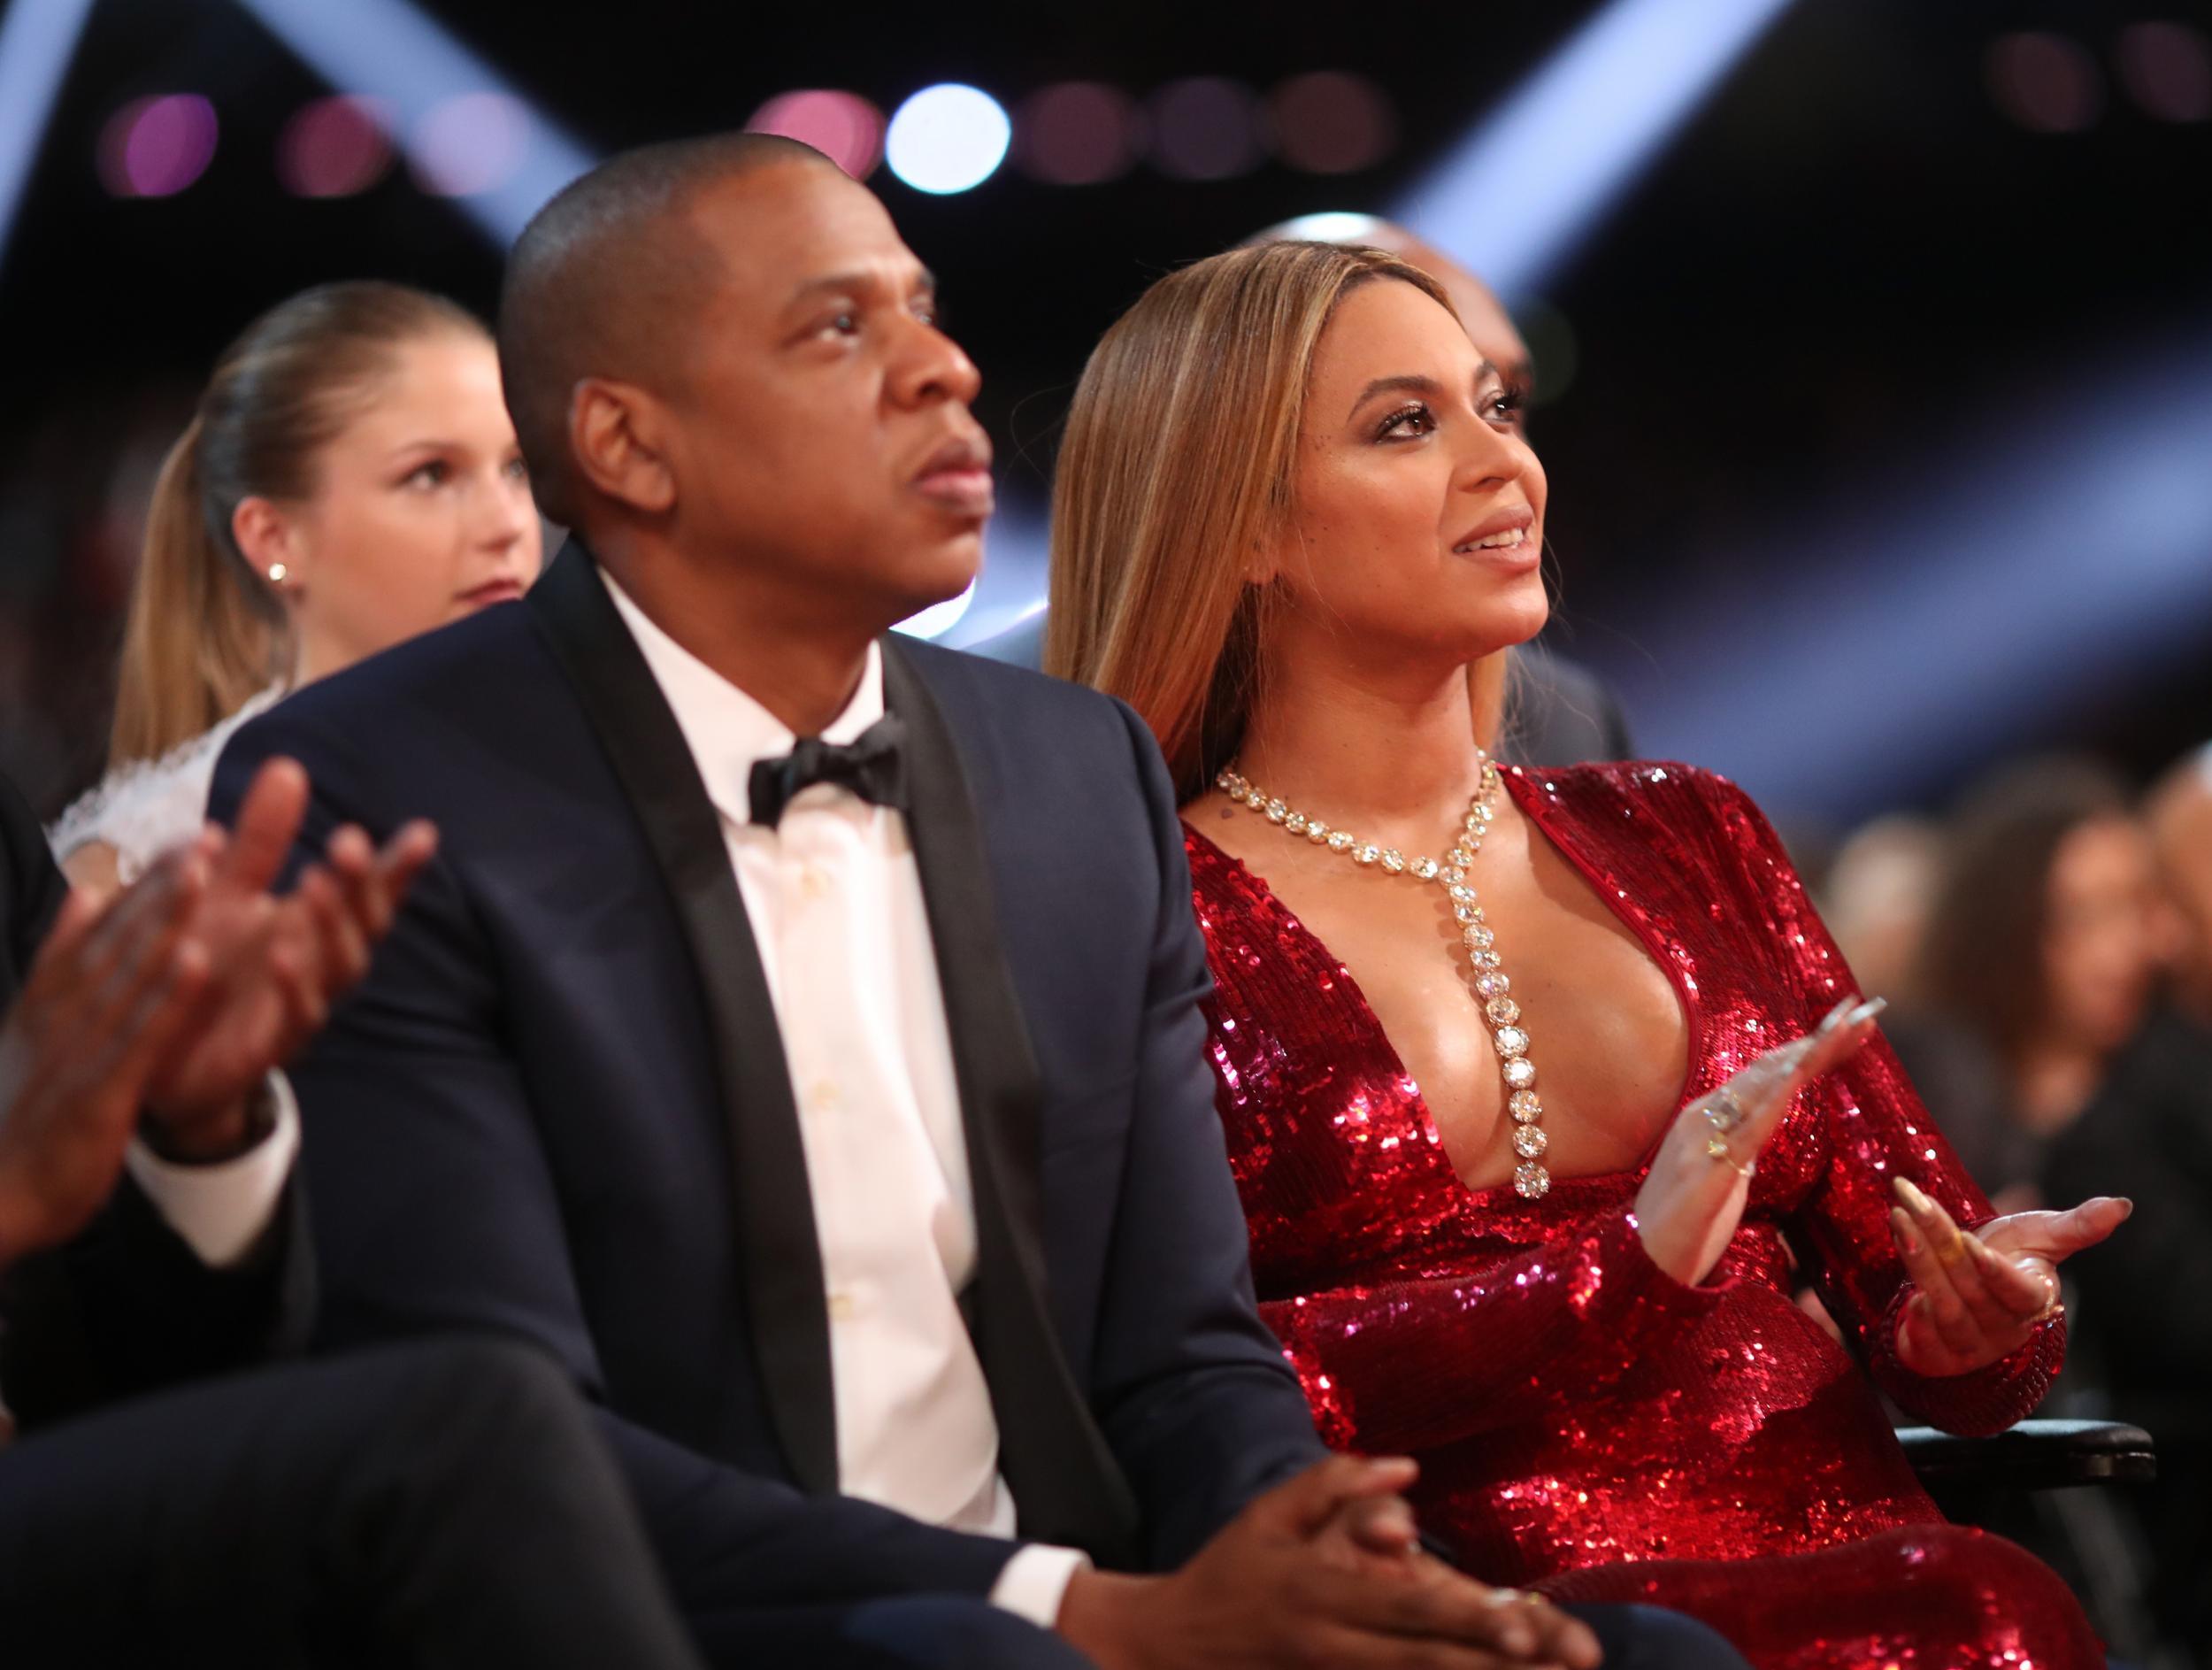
277,570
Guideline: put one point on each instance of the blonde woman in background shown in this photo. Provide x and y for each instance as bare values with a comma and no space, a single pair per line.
350,479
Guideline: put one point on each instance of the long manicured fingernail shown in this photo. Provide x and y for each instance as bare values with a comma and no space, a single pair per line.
1867,1011
1915,1202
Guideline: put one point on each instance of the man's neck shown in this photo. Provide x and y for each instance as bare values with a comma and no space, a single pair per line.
801,667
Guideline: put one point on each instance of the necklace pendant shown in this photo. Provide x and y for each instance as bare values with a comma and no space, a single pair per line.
1531,1180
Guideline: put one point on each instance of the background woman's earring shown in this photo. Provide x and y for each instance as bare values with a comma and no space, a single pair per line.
277,570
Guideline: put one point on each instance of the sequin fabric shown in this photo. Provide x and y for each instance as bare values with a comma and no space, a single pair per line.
1585,1424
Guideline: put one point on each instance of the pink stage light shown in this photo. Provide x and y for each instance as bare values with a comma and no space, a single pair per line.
158,147
2046,83
335,147
1207,127
468,145
2167,70
1076,133
1332,123
843,126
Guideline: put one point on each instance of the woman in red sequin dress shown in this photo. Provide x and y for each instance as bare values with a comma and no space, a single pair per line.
1496,1144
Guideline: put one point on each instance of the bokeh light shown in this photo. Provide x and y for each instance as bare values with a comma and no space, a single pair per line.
1207,127
948,138
470,144
1332,123
843,126
2167,70
1076,133
157,147
2046,83
335,147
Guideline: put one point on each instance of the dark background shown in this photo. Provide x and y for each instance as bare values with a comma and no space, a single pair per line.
1841,490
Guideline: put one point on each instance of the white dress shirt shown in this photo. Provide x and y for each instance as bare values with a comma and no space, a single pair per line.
835,902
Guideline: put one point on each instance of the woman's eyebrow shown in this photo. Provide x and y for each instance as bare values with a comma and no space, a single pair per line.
1415,384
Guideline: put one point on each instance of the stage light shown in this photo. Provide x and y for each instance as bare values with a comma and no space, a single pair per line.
1516,197
37,40
2045,82
1076,133
948,138
1333,225
392,51
843,126
1207,127
158,147
1332,123
335,147
2167,70
470,145
1941,612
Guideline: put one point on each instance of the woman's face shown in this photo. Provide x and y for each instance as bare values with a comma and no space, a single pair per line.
421,512
2101,939
1417,514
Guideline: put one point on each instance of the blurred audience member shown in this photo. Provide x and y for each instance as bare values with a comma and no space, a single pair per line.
351,479
1877,897
2042,951
2179,811
2148,1130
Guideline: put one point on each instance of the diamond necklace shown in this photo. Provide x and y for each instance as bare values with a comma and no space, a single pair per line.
1531,1180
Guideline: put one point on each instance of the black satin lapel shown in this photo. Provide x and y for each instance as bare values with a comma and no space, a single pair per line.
1065,1481
781,1258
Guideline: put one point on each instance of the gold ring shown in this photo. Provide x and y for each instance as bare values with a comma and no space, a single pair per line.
1951,1252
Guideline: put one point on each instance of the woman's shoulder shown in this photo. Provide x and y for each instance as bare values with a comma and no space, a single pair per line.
141,810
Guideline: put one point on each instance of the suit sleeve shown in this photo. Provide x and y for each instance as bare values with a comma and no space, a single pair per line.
436,1210
1878,1130
1191,1388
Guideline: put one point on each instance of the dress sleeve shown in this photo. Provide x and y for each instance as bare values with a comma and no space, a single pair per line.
1877,1130
1407,1365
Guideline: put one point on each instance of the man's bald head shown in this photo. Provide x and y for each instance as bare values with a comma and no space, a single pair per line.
1488,326
601,281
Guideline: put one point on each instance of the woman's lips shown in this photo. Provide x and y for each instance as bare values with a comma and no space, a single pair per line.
490,592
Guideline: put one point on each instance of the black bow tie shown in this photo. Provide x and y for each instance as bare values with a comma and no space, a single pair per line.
872,767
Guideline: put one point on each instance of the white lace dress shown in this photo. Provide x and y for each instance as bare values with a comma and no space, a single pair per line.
143,809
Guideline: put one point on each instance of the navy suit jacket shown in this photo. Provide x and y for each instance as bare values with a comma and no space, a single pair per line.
558,1107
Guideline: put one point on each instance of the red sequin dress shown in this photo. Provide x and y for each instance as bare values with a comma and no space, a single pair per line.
1585,1424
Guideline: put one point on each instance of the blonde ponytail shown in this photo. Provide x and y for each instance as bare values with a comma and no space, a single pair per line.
203,635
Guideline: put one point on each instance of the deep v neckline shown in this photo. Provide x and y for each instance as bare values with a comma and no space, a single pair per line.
1527,797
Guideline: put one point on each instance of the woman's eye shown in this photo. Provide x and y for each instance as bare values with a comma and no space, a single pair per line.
844,324
436,473
1505,406
1406,424
518,470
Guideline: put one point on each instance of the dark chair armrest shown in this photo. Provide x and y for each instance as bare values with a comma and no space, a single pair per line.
2036,1455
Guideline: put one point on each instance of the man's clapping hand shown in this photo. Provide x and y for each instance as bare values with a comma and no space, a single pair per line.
170,1001
1322,1571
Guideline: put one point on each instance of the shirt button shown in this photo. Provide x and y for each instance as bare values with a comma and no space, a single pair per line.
843,1306
814,882
822,1095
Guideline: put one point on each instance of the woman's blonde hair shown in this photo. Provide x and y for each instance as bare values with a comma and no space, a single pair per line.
205,631
1177,467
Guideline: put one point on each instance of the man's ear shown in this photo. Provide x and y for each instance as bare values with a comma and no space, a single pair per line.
615,434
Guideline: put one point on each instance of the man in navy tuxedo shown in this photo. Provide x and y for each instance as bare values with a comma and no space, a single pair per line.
798,1030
